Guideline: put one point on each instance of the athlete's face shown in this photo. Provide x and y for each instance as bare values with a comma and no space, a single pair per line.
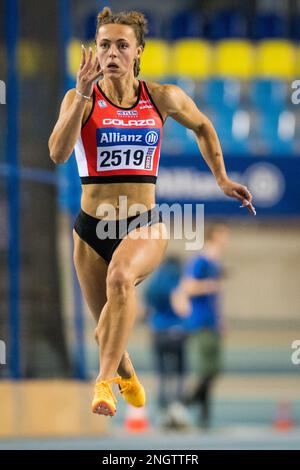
117,49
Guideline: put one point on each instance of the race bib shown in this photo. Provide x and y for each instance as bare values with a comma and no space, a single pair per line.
123,149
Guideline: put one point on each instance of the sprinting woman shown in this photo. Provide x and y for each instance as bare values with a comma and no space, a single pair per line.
114,121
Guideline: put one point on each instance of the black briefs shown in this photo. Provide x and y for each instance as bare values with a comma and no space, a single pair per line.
91,230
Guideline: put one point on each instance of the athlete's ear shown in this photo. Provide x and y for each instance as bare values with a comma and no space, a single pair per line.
139,52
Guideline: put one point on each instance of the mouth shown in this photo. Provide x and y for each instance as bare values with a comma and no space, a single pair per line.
112,66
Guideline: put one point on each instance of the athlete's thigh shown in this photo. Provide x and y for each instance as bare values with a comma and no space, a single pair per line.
91,271
140,256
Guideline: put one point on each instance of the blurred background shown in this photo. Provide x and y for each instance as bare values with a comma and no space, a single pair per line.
239,62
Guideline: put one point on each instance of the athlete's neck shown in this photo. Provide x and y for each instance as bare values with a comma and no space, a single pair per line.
121,91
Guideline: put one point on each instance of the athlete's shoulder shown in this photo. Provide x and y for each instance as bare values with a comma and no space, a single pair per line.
168,96
164,90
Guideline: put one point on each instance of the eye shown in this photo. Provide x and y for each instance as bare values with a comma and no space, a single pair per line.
103,45
123,45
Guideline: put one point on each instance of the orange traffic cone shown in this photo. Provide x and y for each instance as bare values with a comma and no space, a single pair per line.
283,420
136,419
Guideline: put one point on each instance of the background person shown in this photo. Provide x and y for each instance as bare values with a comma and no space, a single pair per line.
168,340
201,283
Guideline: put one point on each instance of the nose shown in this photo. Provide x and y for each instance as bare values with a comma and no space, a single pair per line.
112,51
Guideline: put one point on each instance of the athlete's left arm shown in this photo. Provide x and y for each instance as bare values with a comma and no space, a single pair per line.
178,105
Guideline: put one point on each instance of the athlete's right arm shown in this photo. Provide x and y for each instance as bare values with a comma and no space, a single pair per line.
67,129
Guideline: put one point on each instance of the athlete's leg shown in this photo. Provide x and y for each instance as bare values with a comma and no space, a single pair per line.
132,261
91,271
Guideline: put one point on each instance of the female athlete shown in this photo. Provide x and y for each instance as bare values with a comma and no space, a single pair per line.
114,121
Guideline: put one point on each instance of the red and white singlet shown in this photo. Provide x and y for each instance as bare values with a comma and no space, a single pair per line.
119,144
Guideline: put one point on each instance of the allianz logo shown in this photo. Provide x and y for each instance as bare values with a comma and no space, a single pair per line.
151,138
110,137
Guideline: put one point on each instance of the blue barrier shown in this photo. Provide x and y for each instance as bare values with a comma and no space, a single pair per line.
274,183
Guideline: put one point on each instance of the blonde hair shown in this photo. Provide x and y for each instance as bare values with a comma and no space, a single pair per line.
135,19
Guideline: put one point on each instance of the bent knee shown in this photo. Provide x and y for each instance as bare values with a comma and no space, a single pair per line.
119,277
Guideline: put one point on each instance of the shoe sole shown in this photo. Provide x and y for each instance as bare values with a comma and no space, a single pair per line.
102,408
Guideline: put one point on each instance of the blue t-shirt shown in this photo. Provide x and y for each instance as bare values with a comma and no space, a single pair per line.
205,311
157,296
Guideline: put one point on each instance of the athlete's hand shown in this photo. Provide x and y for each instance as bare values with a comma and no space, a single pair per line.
88,72
240,192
